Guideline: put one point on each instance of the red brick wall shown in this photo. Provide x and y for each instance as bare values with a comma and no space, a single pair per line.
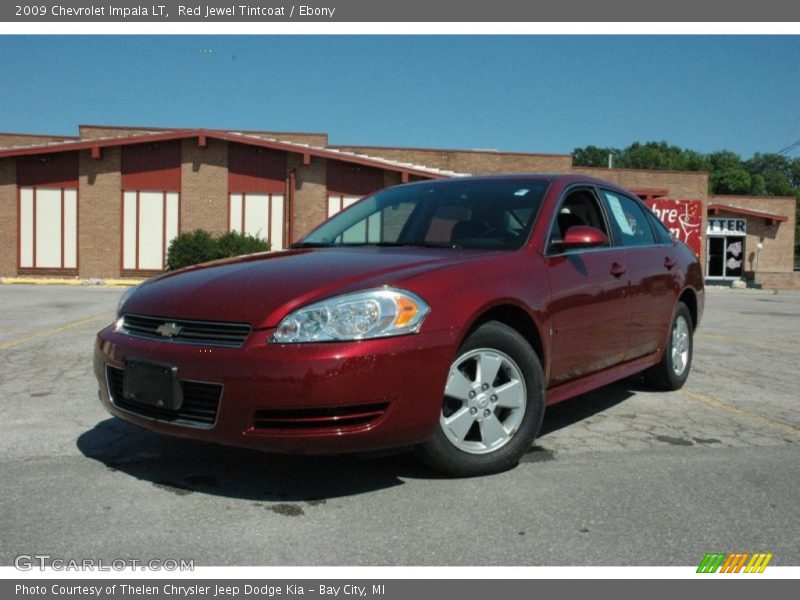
99,214
9,243
778,281
100,131
778,253
312,139
471,161
680,185
9,140
310,200
204,186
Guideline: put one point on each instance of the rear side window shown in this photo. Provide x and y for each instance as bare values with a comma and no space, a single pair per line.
663,236
628,220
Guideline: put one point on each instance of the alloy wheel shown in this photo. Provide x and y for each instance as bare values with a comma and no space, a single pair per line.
485,401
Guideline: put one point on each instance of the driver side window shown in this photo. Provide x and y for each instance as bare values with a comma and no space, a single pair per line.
579,207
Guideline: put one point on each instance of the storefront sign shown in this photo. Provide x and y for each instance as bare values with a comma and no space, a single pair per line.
684,218
726,226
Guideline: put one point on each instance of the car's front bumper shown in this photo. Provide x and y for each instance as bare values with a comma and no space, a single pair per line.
299,398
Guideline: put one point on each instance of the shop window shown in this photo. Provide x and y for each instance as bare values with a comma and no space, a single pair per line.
259,215
48,226
149,224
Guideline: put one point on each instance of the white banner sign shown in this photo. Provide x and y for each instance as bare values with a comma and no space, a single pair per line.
726,226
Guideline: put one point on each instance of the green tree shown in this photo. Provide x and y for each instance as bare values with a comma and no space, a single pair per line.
653,155
592,156
776,171
727,174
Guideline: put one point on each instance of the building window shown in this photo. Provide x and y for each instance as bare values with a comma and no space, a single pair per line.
338,202
48,227
259,215
368,230
149,224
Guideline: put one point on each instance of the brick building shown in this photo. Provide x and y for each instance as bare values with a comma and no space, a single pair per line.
105,204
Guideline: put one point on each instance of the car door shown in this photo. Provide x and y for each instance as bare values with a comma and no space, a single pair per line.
589,306
651,267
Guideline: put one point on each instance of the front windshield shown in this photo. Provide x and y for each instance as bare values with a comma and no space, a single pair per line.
492,214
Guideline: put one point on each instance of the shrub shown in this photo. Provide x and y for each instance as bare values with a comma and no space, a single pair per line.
190,248
200,246
234,243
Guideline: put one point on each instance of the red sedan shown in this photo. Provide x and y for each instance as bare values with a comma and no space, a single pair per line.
442,315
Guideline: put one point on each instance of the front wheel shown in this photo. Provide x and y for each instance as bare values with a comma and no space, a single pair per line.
671,373
493,405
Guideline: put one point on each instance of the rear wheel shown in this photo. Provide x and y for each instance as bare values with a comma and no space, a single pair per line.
493,405
672,371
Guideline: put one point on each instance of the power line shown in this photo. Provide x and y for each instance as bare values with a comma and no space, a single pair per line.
789,148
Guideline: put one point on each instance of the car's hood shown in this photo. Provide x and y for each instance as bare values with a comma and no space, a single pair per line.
262,289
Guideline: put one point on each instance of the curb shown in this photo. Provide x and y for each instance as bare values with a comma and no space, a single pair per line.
73,282
721,289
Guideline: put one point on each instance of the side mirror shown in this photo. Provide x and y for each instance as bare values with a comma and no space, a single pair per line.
583,236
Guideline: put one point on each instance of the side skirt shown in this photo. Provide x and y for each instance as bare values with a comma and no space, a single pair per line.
568,390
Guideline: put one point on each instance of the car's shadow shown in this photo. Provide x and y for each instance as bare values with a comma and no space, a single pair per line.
582,407
186,466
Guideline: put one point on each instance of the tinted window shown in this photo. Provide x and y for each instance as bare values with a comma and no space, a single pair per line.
629,221
663,236
486,214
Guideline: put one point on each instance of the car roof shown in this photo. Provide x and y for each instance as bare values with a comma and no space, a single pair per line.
563,178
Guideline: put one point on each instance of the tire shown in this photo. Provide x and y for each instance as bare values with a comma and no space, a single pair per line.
486,426
673,369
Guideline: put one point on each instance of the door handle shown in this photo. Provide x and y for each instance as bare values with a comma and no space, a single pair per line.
669,263
617,270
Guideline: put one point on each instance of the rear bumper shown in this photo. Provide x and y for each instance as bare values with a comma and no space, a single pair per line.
295,398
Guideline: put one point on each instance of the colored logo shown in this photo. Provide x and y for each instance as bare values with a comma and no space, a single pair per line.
735,562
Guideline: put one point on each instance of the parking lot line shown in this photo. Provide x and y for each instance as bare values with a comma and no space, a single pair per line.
775,424
55,330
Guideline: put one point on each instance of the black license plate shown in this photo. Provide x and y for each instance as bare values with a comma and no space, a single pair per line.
152,384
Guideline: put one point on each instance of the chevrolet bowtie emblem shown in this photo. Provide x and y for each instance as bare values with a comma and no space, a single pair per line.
169,329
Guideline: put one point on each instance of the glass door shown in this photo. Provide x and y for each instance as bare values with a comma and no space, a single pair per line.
725,257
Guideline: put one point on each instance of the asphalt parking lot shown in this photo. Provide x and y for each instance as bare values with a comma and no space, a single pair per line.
620,476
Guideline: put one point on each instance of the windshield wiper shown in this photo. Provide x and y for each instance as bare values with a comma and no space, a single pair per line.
312,245
406,244
376,245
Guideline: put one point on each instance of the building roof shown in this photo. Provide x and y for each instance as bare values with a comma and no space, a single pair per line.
771,218
306,150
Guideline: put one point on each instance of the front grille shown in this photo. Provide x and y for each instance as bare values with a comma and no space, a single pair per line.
199,409
333,418
231,335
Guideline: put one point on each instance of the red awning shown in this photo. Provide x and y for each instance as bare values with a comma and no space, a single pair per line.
769,218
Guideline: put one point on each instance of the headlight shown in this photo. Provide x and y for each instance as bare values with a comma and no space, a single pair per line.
359,316
125,297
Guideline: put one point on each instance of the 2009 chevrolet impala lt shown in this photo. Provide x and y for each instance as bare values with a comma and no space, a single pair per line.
442,315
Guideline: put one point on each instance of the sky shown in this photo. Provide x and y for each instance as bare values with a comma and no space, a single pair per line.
510,93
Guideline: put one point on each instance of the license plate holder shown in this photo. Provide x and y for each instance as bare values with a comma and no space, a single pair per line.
152,384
